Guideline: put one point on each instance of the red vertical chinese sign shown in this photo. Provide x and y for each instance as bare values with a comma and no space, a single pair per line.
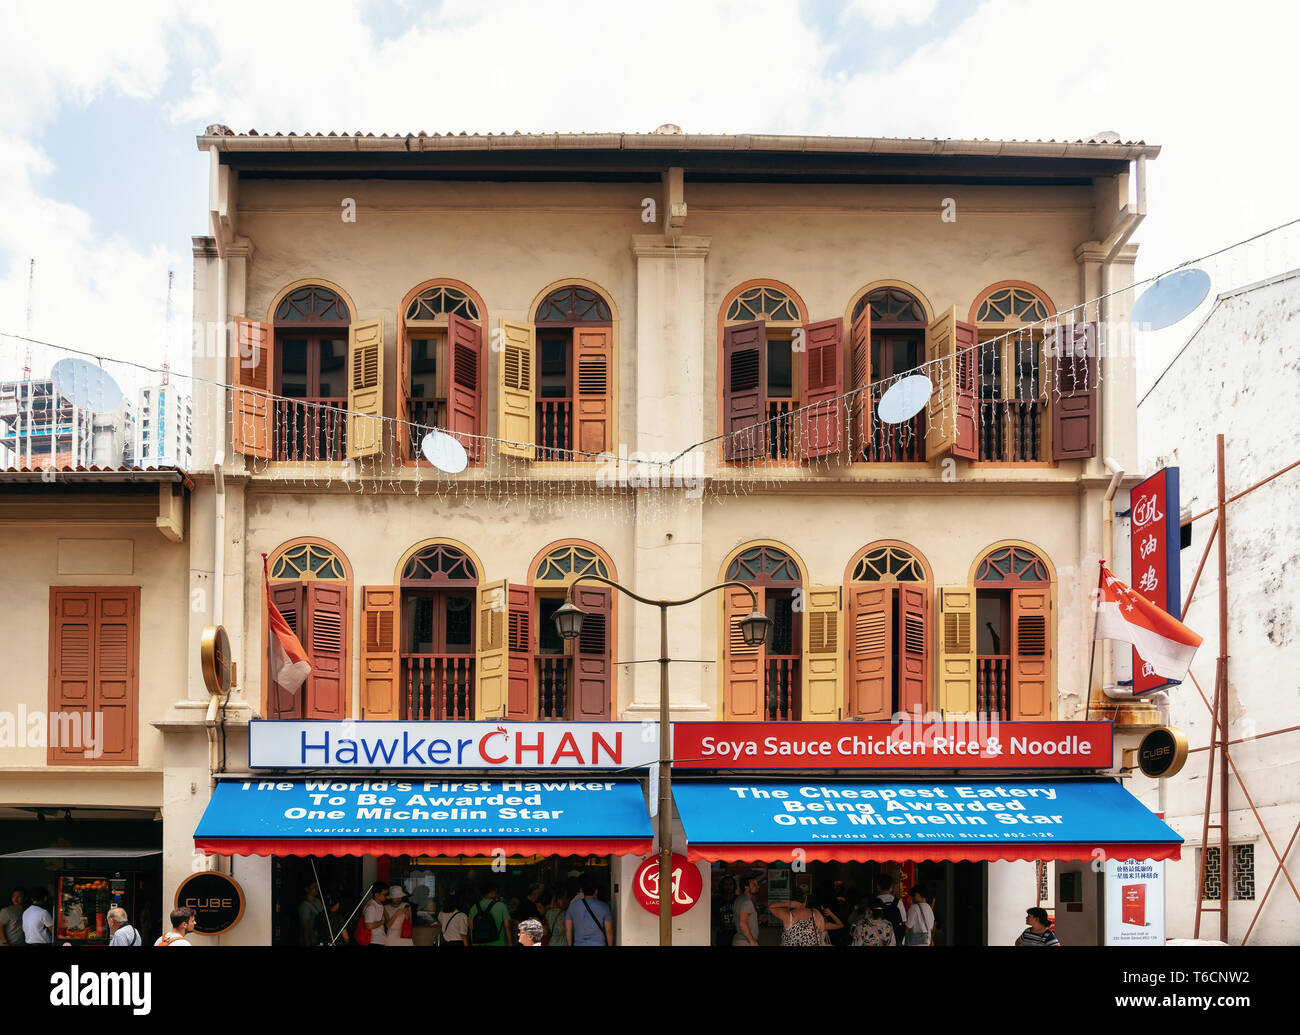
1154,549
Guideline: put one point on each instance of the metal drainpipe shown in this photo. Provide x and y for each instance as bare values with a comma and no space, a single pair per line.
219,457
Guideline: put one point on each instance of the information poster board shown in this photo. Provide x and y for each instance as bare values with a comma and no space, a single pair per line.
1135,902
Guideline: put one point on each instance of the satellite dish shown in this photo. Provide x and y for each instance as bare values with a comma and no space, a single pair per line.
1170,299
444,452
904,400
86,386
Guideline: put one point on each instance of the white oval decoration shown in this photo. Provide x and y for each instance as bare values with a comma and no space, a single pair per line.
444,452
904,400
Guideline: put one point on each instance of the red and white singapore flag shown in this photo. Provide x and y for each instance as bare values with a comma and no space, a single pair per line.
289,665
1163,641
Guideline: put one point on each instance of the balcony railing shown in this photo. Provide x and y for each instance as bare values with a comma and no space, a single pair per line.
993,686
894,443
554,429
438,686
1011,430
425,415
782,435
783,688
553,687
310,429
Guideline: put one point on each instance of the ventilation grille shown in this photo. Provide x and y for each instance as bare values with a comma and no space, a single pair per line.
593,375
744,370
1031,636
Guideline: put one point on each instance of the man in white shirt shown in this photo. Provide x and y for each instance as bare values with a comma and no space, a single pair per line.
183,924
38,924
373,915
119,931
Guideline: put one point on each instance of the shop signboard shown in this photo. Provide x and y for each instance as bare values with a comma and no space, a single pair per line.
440,746
1135,902
217,901
892,745
1154,548
687,885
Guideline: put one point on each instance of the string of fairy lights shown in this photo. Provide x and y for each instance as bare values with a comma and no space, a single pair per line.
1012,377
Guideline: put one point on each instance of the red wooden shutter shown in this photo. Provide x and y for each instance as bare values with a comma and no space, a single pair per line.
966,413
117,648
380,657
326,646
404,434
252,366
1074,405
593,412
821,427
289,599
465,367
913,648
744,390
72,663
871,695
743,668
593,662
860,379
1031,681
519,641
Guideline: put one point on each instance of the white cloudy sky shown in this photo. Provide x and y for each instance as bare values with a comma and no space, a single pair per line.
100,104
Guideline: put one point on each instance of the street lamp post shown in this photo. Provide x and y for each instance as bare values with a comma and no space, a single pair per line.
754,629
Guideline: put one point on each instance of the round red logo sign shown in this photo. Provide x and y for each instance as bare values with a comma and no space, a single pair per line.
687,884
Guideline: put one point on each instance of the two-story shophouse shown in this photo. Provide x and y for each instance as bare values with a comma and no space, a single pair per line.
663,357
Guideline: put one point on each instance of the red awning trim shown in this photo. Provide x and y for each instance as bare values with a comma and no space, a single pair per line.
423,846
929,853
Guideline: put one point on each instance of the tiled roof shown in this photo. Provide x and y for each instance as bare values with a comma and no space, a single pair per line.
93,472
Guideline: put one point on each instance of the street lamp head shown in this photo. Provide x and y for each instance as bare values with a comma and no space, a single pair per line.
568,620
754,629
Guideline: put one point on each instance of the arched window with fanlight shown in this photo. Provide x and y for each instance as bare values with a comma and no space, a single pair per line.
888,632
773,362
886,342
310,585
797,673
441,366
556,388
439,584
996,659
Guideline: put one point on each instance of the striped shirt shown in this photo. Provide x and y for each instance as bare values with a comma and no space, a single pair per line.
1048,937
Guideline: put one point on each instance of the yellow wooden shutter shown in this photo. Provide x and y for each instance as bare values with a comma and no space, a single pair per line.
491,702
823,665
380,658
365,388
940,342
516,405
957,651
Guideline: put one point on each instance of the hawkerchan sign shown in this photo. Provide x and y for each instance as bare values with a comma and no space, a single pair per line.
308,744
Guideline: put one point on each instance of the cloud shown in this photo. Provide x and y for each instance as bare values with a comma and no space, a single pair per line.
885,14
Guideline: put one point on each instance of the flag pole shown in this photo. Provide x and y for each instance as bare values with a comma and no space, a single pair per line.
1092,651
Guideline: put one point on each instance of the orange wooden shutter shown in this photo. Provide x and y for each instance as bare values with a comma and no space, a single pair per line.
1074,404
252,371
871,607
821,426
381,608
117,685
365,388
465,384
520,645
952,426
593,661
743,668
326,646
860,379
491,650
744,391
913,648
72,660
593,413
1031,679
516,395
289,599
405,436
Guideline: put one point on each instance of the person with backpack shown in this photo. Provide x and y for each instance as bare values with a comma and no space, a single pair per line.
183,925
873,928
891,909
489,920
588,921
120,932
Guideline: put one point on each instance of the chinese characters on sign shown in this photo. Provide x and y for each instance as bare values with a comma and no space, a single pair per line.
1154,554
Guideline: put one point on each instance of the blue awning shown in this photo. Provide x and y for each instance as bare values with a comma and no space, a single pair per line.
950,820
434,817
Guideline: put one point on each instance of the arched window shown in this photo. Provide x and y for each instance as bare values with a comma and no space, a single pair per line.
1012,395
894,321
1010,649
310,585
888,633
439,588
558,400
441,367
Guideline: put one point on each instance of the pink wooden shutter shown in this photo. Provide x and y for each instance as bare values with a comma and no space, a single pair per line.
1074,405
593,661
519,665
744,390
966,444
288,598
821,424
465,365
326,645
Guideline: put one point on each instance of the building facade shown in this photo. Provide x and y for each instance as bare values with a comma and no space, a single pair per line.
165,428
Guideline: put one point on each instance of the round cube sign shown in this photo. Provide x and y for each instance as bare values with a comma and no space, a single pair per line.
687,884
